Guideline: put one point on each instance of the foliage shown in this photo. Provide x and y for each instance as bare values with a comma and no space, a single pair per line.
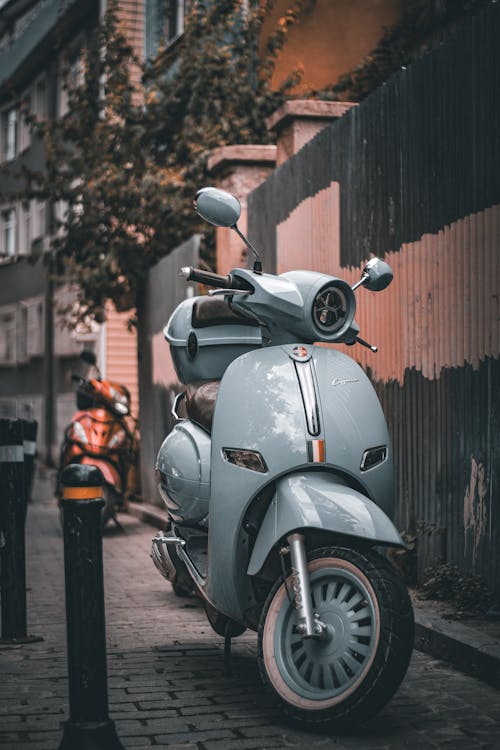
105,190
422,25
122,171
213,92
468,593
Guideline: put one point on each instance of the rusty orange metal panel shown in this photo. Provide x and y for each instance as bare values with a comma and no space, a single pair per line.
441,309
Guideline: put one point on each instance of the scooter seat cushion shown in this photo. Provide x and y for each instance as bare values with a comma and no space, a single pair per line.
201,396
212,311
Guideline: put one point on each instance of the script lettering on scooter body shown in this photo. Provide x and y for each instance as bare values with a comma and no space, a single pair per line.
341,381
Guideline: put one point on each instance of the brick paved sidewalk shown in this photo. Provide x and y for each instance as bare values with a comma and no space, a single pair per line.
165,669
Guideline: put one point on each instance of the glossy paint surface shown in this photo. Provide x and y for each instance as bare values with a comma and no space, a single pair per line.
260,407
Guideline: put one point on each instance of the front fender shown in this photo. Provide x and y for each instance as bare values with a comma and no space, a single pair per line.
314,500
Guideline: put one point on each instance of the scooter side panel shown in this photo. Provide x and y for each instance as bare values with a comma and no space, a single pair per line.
259,407
354,422
316,500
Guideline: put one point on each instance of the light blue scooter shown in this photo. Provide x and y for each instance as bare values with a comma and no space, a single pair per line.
278,479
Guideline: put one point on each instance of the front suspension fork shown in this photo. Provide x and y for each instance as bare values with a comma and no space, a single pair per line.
308,623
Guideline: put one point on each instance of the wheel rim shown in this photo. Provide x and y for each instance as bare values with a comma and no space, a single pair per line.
318,673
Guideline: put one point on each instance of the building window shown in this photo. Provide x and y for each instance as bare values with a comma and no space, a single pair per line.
21,334
24,128
34,327
164,23
7,336
38,225
25,230
9,232
40,99
9,134
71,76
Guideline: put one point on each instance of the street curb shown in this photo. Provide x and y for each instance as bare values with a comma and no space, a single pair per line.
150,514
463,646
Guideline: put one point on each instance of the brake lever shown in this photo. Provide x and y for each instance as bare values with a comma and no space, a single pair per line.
365,343
232,292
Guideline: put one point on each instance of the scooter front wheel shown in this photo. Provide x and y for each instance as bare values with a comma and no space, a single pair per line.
355,667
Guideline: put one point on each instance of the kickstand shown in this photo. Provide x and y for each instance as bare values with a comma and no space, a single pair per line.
227,649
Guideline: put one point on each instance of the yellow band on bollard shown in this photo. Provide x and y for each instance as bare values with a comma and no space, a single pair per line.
81,493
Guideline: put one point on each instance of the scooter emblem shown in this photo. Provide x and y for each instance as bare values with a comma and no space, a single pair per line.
300,352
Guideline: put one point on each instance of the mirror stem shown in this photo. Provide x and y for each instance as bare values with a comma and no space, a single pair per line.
362,280
257,266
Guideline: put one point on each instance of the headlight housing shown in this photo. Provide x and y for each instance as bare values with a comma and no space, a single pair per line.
330,309
327,310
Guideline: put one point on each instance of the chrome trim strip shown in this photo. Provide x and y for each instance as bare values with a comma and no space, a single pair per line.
192,569
177,399
308,391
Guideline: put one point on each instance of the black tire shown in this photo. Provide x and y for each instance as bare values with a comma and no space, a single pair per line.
111,502
348,677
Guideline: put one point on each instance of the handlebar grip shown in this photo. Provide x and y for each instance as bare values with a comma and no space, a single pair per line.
214,279
204,277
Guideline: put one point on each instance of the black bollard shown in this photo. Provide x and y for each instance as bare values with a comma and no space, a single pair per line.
12,537
89,726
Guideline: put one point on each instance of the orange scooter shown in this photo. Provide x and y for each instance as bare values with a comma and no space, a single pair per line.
100,434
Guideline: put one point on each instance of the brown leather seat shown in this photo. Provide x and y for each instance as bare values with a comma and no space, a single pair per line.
200,402
213,311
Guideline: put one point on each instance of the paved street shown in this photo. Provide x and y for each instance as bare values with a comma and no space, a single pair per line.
165,670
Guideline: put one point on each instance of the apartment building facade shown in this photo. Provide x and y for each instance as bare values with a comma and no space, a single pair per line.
40,49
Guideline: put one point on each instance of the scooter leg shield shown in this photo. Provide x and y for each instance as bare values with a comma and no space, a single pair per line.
315,500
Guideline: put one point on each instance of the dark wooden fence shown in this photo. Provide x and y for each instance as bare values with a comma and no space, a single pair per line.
413,174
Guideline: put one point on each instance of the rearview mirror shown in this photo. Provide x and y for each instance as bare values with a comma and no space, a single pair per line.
217,207
377,275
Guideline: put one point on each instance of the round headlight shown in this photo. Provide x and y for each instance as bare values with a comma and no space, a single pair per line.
330,309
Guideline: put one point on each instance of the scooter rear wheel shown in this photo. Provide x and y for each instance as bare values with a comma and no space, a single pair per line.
349,674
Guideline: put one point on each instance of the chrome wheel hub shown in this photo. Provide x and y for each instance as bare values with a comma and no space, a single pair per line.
328,665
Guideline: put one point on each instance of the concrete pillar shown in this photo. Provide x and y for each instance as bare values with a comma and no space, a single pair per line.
299,120
239,170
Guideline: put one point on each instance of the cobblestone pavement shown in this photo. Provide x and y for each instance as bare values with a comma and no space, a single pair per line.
165,670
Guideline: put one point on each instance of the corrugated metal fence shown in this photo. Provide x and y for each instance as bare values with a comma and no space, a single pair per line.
413,174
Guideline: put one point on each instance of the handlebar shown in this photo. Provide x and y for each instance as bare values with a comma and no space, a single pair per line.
215,279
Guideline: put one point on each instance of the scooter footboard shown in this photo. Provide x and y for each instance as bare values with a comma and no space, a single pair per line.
317,500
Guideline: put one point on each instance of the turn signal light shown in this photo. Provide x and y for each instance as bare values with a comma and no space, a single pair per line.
373,456
246,459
